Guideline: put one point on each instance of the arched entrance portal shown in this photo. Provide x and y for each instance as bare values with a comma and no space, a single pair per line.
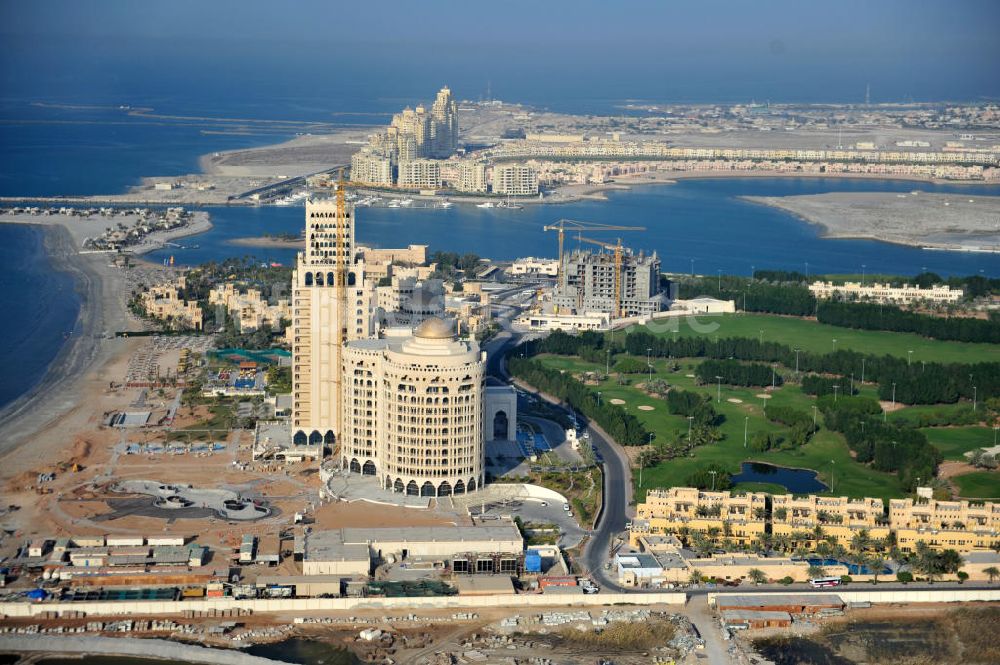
500,425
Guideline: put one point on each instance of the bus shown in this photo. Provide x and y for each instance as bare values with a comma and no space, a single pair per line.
820,582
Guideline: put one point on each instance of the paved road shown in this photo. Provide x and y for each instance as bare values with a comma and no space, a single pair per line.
617,483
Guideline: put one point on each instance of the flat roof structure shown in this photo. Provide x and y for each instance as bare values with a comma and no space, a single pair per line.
483,585
756,619
792,603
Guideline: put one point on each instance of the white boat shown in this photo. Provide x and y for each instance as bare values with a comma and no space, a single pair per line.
393,204
445,204
406,202
487,204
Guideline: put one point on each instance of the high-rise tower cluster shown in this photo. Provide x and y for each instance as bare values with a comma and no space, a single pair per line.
414,136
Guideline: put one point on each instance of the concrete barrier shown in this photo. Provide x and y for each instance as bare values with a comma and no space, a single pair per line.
124,646
895,596
151,607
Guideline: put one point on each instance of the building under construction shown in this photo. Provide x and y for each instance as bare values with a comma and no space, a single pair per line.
593,281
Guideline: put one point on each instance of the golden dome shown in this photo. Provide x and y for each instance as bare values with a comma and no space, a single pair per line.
434,328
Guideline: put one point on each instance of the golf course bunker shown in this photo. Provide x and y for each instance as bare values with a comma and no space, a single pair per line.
617,401
186,501
734,400
762,396
645,407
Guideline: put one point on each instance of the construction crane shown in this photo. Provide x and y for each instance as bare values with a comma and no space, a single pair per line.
575,225
618,250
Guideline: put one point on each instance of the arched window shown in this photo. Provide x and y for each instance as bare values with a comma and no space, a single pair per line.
328,438
398,485
459,487
300,438
315,438
355,466
319,279
444,489
329,279
472,485
412,489
309,279
427,489
351,279
368,469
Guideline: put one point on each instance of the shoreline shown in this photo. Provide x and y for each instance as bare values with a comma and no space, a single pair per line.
103,293
827,232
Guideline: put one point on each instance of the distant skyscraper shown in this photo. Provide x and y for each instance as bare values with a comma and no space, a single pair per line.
444,125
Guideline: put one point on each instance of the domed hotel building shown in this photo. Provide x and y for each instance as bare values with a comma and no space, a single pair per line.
413,410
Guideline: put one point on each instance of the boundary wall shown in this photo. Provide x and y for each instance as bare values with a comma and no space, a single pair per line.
897,596
143,608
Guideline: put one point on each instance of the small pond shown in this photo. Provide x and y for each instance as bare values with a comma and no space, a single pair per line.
796,481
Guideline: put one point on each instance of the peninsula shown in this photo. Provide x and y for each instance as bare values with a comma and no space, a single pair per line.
936,221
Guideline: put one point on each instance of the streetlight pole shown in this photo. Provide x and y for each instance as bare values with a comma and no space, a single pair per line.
834,344
649,364
894,395
909,357
690,422
862,371
746,422
718,383
720,280
607,363
814,416
974,395
796,350
598,398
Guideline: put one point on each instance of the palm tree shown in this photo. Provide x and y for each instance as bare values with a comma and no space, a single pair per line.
992,572
876,563
695,576
816,571
757,576
861,541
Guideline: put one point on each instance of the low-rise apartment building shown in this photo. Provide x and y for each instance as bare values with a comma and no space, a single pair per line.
249,310
964,526
836,516
164,302
740,518
885,293
958,525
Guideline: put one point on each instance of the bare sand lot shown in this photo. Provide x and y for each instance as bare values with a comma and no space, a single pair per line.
946,221
299,156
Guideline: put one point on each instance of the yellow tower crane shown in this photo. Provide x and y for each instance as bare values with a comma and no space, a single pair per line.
576,225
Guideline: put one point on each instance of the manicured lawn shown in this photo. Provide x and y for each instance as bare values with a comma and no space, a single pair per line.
979,485
818,337
826,452
954,441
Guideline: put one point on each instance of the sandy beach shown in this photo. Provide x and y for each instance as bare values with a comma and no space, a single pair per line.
69,394
962,222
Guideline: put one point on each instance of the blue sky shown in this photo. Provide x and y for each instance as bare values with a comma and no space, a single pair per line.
706,50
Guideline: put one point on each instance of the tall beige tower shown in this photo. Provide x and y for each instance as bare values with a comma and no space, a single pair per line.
331,304
444,125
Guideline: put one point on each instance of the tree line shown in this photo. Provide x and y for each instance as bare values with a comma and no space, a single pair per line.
622,426
870,316
915,383
884,445
735,373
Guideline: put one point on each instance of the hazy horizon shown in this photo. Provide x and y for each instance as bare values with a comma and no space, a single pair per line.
540,53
